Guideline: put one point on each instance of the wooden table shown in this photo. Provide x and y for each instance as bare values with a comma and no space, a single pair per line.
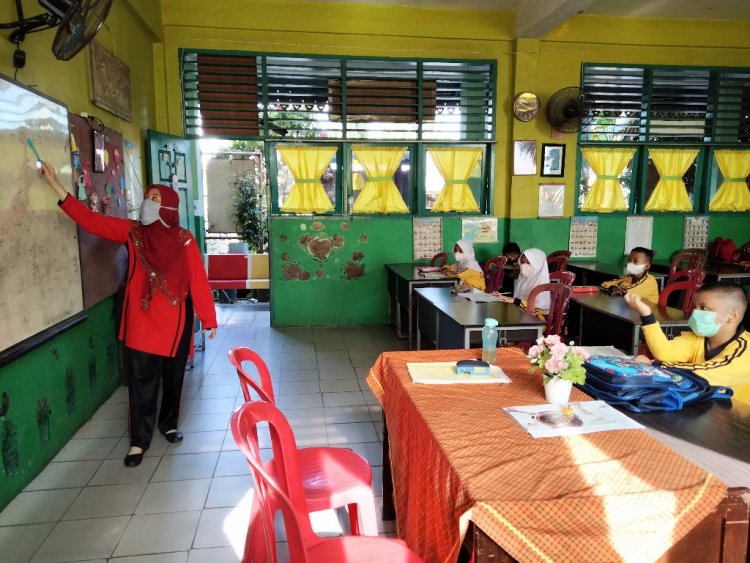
715,271
594,273
451,321
457,463
402,280
598,319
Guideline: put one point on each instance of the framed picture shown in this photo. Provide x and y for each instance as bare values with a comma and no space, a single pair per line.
165,165
553,160
524,158
180,167
99,163
551,200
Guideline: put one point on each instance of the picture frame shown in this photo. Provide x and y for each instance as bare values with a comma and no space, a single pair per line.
180,167
99,159
524,158
165,165
553,160
551,200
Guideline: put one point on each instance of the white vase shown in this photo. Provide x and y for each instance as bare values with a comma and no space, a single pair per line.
558,390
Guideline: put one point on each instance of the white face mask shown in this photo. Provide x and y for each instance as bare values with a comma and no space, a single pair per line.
459,256
149,212
635,269
527,270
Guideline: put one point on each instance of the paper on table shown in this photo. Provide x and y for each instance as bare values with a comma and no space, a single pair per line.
605,351
479,296
445,372
549,421
432,275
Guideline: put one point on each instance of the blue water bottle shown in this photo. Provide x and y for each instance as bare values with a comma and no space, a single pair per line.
489,340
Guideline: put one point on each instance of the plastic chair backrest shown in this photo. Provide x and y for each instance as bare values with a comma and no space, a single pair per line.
694,258
264,388
557,263
439,259
494,272
558,307
565,278
688,287
285,487
557,253
696,276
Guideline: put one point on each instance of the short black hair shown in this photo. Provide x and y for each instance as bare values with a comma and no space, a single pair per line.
511,247
728,291
645,251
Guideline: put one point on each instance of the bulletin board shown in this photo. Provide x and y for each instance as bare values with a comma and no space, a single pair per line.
40,277
103,263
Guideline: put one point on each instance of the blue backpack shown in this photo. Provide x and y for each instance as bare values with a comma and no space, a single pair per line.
645,388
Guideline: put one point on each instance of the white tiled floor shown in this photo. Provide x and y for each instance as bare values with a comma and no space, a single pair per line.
189,503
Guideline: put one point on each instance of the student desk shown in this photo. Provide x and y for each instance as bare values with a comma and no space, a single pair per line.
456,467
402,280
601,319
594,273
715,271
450,321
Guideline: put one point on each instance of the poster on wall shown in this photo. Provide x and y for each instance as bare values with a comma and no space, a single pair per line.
695,232
479,229
638,232
551,200
524,158
583,237
428,237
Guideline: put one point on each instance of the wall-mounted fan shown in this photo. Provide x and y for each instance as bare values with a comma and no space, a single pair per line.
78,21
570,109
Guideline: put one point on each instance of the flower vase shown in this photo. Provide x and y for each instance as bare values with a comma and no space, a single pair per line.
557,390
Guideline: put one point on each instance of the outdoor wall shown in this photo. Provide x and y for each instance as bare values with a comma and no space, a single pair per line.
79,369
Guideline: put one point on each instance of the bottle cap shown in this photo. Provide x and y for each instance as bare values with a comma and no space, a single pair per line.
490,322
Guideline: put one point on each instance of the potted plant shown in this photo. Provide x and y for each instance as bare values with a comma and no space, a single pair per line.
561,364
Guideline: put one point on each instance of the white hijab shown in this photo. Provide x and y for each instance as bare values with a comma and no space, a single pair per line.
468,260
538,261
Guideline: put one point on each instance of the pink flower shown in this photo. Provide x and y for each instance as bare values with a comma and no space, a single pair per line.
583,353
534,351
540,341
555,365
552,339
559,350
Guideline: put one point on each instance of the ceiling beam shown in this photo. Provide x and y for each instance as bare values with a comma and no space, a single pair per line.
536,18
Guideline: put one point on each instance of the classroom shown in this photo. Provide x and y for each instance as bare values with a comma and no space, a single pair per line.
416,169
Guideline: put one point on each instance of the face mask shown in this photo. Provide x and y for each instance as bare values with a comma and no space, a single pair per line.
635,269
527,270
703,323
149,212
459,256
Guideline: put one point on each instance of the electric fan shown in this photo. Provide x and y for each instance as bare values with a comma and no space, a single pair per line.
78,27
570,109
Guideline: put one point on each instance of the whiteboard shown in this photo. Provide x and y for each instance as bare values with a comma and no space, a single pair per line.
40,276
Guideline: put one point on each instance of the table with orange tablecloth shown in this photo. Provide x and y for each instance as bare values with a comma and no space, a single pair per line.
456,457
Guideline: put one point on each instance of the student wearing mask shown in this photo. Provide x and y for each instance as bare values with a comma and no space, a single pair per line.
466,268
717,348
637,280
533,272
512,252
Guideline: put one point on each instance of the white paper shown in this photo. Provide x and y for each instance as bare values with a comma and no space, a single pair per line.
695,232
551,200
583,237
432,275
479,296
427,237
639,231
549,421
441,373
605,351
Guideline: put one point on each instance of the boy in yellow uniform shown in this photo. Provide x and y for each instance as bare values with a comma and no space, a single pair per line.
637,280
466,268
717,348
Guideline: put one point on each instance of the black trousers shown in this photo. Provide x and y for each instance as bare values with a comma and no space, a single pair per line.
147,371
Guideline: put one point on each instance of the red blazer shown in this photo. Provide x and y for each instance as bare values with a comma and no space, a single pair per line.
157,330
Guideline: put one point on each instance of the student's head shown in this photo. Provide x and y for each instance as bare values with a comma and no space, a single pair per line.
639,261
533,261
511,251
464,250
164,206
719,309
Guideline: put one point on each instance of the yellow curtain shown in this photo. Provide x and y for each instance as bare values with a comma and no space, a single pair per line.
380,194
456,166
307,165
606,195
733,194
670,193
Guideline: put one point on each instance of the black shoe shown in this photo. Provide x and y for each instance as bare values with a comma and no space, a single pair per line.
173,437
133,460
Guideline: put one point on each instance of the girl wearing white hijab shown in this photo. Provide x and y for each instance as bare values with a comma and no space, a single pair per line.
534,272
466,268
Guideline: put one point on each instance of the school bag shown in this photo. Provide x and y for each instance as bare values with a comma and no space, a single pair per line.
642,387
722,250
742,255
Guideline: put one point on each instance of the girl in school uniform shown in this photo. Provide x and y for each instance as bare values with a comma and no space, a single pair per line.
166,282
637,280
466,268
533,272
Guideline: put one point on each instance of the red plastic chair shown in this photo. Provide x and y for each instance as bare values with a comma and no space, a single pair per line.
696,276
439,259
284,490
558,307
557,263
694,259
565,278
494,272
557,253
331,477
688,289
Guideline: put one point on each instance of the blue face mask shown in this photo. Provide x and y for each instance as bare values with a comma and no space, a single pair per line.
703,323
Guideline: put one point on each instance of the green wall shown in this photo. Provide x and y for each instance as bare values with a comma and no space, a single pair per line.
75,373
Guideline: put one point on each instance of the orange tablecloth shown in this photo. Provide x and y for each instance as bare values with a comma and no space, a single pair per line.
456,456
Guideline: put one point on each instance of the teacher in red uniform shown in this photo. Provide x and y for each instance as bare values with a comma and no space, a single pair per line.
166,283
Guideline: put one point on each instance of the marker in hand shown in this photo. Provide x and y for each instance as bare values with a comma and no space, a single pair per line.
36,152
